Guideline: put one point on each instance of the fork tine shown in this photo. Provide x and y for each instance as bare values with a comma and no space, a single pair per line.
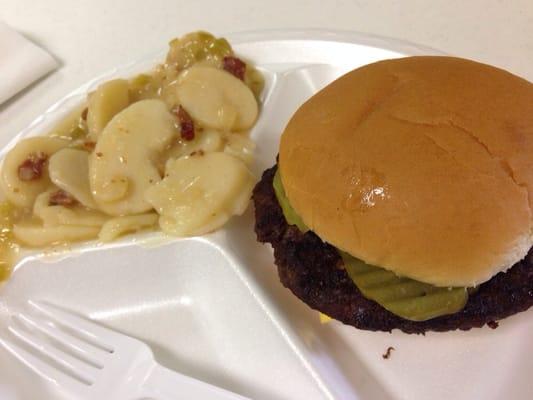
92,354
77,367
41,368
94,333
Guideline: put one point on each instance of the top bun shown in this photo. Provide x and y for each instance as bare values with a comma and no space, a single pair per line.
420,165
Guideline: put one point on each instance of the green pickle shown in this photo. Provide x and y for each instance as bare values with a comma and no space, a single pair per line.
198,46
77,133
289,213
404,297
140,83
145,86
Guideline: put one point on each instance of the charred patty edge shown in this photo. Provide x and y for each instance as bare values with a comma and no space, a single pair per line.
313,271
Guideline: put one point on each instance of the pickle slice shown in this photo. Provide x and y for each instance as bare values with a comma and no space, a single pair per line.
289,213
407,298
404,297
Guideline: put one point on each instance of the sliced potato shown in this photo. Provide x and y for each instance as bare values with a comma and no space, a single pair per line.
207,141
55,215
69,170
119,226
216,98
22,193
254,80
200,193
122,165
240,146
108,100
38,236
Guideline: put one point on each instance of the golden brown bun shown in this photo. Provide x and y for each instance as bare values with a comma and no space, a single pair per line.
421,165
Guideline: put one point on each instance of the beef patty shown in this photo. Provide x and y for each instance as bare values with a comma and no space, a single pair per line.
313,271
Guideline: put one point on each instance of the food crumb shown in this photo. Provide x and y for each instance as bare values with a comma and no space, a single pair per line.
493,324
62,198
186,123
387,353
32,168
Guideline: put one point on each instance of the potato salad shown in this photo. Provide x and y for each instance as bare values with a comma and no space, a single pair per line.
169,149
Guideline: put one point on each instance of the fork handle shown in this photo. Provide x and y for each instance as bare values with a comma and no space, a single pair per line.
165,384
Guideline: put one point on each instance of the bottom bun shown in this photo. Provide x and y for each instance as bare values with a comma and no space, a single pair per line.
313,271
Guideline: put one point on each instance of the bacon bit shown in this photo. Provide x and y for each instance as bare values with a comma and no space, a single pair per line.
32,168
234,66
99,154
61,198
387,354
493,324
84,114
186,123
197,153
89,145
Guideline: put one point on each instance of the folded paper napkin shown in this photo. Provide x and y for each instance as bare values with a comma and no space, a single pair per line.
21,62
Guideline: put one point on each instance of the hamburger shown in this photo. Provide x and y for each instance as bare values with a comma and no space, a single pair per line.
402,197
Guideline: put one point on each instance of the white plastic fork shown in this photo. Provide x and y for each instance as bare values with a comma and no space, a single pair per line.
107,365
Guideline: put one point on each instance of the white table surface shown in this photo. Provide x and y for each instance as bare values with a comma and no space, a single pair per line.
90,37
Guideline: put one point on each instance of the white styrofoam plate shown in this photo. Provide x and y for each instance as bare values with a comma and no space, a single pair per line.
213,307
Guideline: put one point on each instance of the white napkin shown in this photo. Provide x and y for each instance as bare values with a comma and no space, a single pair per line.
21,62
